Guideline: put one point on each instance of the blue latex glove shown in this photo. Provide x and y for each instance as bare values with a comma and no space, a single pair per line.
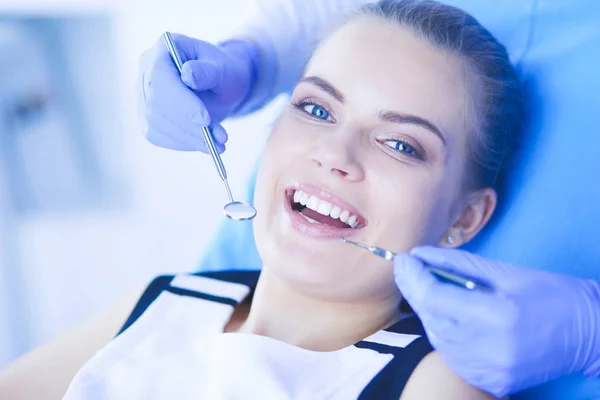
544,325
214,82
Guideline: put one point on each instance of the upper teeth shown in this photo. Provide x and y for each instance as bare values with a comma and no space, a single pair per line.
325,208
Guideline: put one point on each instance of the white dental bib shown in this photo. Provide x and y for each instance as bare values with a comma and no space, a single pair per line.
176,349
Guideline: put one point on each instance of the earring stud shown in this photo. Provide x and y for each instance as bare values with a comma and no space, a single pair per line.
450,240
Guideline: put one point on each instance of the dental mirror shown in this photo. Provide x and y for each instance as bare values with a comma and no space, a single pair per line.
239,211
235,210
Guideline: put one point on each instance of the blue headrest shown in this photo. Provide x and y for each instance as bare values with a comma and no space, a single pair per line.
549,216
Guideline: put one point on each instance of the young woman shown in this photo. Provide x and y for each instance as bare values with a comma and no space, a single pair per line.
394,136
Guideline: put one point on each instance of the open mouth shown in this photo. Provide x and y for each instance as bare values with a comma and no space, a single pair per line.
317,210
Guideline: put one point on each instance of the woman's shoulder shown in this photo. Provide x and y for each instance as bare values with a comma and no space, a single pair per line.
52,366
418,362
448,385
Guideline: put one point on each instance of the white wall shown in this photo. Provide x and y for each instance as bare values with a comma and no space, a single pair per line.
76,263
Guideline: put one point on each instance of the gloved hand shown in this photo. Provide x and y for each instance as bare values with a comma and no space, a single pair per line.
214,82
542,326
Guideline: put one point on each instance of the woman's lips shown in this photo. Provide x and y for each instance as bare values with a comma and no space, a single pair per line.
316,230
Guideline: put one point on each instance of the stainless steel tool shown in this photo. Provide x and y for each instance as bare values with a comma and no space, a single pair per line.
236,210
442,274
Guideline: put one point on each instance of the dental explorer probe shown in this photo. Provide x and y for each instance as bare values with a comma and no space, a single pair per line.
236,210
444,275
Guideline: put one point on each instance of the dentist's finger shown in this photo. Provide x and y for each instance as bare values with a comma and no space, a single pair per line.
460,261
427,295
202,75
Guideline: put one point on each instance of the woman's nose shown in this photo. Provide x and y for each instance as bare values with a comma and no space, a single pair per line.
338,155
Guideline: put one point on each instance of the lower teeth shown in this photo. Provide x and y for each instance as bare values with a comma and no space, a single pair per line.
312,221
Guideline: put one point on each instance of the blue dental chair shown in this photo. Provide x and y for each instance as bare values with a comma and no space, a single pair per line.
549,215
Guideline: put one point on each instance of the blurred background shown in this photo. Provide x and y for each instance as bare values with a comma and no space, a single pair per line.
89,210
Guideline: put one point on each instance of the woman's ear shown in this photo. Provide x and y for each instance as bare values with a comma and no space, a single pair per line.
475,214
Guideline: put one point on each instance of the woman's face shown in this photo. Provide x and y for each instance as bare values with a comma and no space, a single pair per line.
375,131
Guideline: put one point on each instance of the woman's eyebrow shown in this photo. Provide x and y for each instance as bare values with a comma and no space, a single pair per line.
325,86
392,116
387,116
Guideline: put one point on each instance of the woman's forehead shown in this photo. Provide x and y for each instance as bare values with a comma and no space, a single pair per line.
379,66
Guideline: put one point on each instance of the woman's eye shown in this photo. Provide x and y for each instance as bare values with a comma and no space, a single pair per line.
313,109
316,111
401,146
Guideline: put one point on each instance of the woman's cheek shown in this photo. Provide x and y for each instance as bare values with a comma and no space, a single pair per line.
405,199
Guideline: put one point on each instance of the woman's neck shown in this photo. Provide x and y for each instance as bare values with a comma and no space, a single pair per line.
282,312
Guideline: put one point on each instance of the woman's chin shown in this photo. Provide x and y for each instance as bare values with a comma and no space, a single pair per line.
316,262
